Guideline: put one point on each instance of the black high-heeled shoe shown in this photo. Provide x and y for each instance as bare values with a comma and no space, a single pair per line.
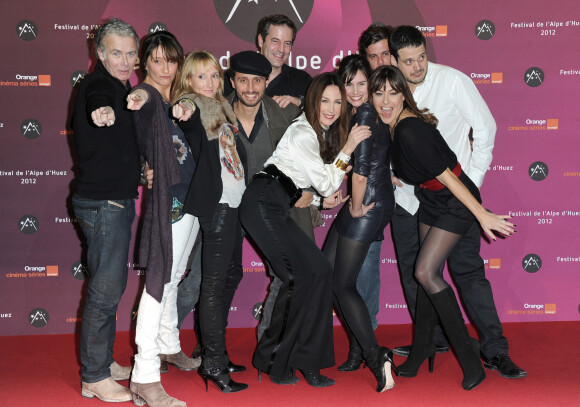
380,362
315,379
411,366
355,356
221,378
290,378
233,368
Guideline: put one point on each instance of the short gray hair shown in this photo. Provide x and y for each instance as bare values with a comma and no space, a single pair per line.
116,26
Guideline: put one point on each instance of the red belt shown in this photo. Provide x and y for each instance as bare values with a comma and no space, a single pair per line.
435,185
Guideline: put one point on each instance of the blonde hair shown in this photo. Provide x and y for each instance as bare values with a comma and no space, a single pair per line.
190,66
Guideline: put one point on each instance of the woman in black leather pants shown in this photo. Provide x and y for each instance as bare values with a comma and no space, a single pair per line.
214,195
363,220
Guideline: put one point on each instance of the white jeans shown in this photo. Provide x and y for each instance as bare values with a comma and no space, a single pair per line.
157,322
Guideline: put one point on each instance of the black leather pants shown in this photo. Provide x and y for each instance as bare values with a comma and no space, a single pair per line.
221,274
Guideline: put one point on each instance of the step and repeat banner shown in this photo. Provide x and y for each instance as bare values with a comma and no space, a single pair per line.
522,56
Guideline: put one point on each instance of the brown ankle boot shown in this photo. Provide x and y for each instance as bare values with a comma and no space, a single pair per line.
179,360
106,390
154,395
119,372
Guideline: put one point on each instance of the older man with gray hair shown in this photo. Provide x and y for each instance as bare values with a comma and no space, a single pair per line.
104,201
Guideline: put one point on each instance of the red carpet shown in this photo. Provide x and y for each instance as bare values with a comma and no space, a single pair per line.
44,371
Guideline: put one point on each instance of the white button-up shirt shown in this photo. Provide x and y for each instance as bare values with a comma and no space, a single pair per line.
453,98
298,157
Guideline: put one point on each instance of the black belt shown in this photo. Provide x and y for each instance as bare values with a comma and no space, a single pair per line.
272,172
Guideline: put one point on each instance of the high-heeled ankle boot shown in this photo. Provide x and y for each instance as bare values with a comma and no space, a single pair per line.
423,346
221,378
466,348
355,357
380,362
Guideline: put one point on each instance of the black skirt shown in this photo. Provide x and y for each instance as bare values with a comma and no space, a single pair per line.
443,210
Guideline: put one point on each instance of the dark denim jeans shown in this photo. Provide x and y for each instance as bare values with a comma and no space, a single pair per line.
107,228
368,283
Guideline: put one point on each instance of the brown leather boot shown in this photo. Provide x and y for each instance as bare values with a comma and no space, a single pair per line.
106,390
179,360
154,395
119,372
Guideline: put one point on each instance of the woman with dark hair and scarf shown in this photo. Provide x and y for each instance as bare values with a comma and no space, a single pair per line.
168,232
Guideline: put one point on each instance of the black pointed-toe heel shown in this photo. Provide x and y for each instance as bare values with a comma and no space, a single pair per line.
259,375
315,379
288,379
380,362
233,368
221,378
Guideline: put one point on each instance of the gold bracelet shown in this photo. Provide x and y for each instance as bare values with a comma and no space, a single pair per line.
341,165
187,100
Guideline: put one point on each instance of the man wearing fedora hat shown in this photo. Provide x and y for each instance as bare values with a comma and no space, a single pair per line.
262,123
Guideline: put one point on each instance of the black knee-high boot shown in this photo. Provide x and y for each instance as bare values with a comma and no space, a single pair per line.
466,348
423,346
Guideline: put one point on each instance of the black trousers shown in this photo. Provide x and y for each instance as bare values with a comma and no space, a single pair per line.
300,331
221,273
466,268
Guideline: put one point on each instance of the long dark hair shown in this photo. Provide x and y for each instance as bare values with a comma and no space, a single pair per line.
170,46
331,140
397,81
350,65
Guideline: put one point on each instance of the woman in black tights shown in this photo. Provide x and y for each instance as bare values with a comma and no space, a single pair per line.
362,221
449,205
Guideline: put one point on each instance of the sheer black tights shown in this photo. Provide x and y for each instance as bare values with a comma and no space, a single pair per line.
436,246
347,257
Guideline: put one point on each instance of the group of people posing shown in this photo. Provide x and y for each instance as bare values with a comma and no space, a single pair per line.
260,151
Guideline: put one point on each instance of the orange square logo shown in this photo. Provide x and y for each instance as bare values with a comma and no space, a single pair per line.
494,263
552,124
441,31
550,308
44,80
497,77
52,271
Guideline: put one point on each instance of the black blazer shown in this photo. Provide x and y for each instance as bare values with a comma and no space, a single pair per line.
206,187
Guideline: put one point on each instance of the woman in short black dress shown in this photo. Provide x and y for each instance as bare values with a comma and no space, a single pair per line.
449,204
361,222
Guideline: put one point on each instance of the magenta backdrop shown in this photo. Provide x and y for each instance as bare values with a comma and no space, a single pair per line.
522,55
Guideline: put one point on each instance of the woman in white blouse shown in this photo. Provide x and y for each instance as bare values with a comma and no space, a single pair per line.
314,152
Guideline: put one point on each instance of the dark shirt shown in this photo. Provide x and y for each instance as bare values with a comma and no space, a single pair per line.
419,151
258,144
186,165
371,157
108,156
290,81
